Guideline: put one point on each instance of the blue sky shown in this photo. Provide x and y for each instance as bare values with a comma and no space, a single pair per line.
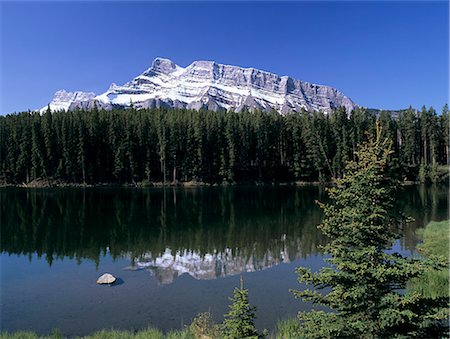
381,54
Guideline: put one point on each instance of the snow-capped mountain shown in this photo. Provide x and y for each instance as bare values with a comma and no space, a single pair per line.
63,100
209,85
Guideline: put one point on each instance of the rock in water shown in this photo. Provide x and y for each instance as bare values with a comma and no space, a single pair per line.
106,279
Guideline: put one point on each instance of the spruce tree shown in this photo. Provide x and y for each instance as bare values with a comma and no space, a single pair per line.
48,131
408,142
445,129
81,150
37,159
364,287
230,130
239,322
23,163
198,136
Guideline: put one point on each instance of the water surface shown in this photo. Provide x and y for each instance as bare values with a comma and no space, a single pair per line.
176,252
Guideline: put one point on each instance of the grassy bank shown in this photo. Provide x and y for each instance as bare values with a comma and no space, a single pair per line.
107,334
285,329
436,241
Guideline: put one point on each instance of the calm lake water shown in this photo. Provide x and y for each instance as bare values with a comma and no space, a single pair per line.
176,252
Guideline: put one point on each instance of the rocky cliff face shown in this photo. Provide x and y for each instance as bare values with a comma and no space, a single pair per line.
213,86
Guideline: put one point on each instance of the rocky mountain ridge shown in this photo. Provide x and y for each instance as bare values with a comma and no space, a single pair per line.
209,85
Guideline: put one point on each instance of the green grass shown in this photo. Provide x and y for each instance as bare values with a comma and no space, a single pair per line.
436,241
149,333
285,329
20,335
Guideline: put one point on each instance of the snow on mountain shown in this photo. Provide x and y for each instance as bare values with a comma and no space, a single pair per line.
65,100
209,85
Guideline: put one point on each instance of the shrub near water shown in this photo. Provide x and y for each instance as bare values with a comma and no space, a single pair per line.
203,326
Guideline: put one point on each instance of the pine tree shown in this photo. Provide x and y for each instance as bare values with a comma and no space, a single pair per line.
120,159
48,132
366,283
160,122
408,142
23,163
445,129
230,130
68,147
239,321
81,150
37,159
198,136
8,145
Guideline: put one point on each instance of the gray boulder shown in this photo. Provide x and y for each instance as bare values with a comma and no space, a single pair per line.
106,279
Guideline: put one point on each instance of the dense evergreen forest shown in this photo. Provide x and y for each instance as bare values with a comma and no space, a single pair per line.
169,145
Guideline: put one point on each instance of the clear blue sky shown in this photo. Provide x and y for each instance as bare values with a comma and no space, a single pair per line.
381,54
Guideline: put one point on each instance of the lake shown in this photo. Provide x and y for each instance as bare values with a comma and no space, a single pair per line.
176,252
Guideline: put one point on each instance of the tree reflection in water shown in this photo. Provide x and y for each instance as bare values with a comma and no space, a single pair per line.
208,232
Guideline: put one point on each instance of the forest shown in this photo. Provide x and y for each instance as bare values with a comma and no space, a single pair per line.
129,146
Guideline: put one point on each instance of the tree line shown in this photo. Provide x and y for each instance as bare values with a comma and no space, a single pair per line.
171,145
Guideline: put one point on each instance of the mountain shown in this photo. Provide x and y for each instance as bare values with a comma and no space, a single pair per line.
209,85
63,100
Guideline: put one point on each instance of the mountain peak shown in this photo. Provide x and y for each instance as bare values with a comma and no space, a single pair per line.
164,65
202,63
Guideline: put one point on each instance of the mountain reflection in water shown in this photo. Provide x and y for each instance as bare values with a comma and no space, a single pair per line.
168,266
207,232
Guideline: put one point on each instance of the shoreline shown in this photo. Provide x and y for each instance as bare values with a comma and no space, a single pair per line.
181,184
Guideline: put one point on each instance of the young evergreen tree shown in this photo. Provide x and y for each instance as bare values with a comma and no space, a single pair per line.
366,283
239,322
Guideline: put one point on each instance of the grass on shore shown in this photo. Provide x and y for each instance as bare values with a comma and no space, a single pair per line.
149,333
436,241
285,329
